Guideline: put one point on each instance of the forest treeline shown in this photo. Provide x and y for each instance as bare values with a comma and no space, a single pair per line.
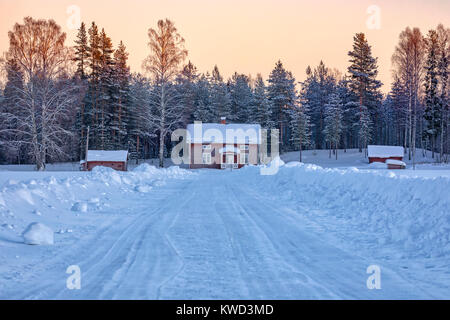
54,94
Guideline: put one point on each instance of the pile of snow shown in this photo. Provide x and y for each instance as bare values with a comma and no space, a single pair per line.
148,171
146,168
384,208
54,197
396,162
377,165
38,233
294,164
276,161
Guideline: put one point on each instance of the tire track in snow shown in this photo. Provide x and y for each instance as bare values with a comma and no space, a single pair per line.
105,268
281,279
341,274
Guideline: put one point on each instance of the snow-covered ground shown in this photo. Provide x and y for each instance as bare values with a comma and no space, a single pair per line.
426,166
305,233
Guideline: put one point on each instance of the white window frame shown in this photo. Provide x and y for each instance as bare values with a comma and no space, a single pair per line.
243,159
206,158
206,147
243,146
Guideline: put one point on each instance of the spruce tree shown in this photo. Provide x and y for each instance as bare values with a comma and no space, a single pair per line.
444,96
121,98
261,110
363,72
203,110
107,130
187,87
241,97
81,52
432,111
282,96
220,97
82,61
333,122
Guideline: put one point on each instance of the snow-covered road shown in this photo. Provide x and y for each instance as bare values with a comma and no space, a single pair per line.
213,235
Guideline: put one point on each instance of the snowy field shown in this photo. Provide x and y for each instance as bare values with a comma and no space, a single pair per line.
308,232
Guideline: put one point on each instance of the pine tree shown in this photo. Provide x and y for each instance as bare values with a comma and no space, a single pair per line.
443,76
81,52
105,111
300,125
241,97
10,111
432,111
364,128
92,96
121,99
261,109
203,110
187,87
320,83
363,72
282,96
220,97
82,60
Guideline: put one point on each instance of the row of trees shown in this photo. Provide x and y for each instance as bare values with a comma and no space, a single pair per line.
420,92
56,96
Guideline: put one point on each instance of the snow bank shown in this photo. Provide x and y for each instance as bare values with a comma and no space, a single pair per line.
386,209
38,233
396,162
59,199
377,165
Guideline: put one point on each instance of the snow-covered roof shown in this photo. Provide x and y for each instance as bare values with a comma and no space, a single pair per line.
229,149
385,151
224,133
107,155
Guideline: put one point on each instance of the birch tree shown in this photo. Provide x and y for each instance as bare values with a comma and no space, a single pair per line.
47,94
167,52
408,61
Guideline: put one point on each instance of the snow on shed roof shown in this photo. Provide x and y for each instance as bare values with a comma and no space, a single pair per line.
107,155
385,151
224,133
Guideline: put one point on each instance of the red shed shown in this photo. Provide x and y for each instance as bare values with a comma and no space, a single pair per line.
116,159
382,153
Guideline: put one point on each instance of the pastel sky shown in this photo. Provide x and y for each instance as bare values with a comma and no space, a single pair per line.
247,36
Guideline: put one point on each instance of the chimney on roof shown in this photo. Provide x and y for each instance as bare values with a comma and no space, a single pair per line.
223,120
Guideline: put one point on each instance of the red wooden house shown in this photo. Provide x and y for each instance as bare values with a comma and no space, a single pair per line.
116,159
222,145
383,153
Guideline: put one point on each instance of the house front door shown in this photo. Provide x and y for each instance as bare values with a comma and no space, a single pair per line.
230,158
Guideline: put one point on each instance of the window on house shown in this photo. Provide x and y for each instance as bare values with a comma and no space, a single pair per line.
244,158
206,157
244,147
206,147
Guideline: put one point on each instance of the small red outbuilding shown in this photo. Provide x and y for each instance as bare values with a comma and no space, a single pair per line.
116,159
383,153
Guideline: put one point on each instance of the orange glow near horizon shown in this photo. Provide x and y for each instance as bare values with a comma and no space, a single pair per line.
244,36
